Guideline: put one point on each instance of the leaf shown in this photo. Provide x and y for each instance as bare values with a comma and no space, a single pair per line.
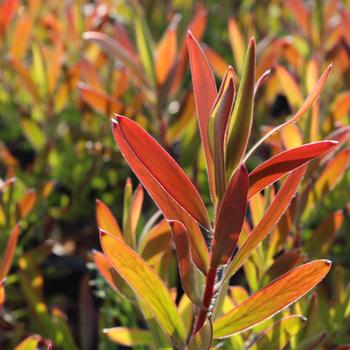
331,175
2,293
144,42
205,92
154,243
21,37
202,340
9,252
301,14
129,336
284,162
106,220
217,129
161,166
283,263
29,343
27,203
314,94
242,115
237,43
114,49
23,73
216,61
230,217
111,275
289,86
98,100
271,299
167,51
274,212
146,284
166,182
33,133
278,335
133,216
191,278
7,11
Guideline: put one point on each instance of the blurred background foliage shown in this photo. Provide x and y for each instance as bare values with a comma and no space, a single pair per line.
66,66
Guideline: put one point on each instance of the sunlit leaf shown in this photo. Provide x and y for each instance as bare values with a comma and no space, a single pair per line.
271,299
106,220
314,94
238,46
29,343
279,165
21,37
129,336
205,92
34,133
166,182
277,336
144,41
146,284
166,51
217,129
269,220
241,117
289,86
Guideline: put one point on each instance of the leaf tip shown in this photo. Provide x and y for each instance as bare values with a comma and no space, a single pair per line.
327,262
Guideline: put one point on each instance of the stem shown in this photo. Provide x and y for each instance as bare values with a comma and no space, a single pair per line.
208,295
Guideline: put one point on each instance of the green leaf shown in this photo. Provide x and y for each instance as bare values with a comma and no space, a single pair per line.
278,335
242,115
128,336
146,285
144,42
33,133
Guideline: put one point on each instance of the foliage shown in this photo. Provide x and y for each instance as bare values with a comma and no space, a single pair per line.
245,167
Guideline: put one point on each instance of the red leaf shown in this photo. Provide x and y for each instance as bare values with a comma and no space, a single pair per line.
166,182
230,217
284,162
205,92
268,221
191,278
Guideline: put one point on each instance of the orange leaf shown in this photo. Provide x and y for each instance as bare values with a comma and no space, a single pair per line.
98,100
166,51
27,203
106,220
9,252
272,299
